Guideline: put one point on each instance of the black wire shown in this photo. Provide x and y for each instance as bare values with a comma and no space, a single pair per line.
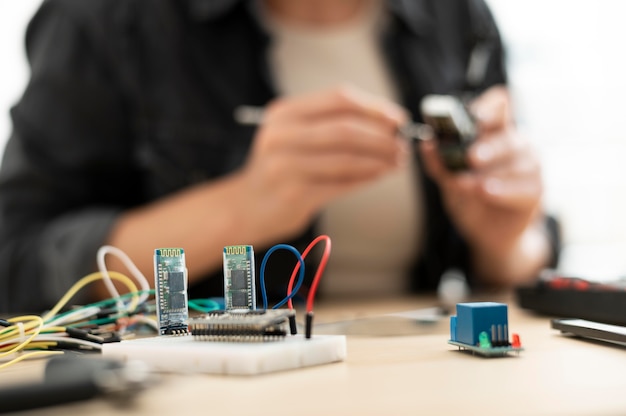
308,327
84,335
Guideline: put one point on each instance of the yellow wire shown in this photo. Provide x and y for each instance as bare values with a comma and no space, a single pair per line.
29,355
35,324
27,340
55,329
13,330
89,279
27,327
33,345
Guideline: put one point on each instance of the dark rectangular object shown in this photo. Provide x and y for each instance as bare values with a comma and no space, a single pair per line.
600,303
243,326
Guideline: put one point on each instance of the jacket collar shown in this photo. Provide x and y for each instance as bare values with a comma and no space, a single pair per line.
415,14
210,9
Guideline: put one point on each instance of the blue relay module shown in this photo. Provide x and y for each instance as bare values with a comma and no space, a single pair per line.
483,328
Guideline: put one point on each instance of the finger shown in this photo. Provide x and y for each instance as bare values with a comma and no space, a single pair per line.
512,193
455,185
334,135
350,134
492,109
495,149
337,100
434,165
519,169
342,168
432,162
523,167
460,195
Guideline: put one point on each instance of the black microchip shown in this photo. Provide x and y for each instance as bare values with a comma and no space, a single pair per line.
177,301
239,300
176,281
242,326
238,279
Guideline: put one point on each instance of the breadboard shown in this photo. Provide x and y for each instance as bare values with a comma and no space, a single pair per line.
184,354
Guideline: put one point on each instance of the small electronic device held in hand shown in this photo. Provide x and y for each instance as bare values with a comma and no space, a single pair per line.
453,126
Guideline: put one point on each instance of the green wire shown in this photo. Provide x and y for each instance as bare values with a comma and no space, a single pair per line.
101,321
203,305
104,302
199,305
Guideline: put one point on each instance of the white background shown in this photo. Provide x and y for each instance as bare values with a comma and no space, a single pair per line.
567,67
567,64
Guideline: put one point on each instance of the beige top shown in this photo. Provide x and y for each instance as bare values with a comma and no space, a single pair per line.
374,230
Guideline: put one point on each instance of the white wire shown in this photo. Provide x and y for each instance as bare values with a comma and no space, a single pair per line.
141,279
53,338
77,315
20,326
105,276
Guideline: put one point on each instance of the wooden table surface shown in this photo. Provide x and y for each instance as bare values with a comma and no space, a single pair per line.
393,368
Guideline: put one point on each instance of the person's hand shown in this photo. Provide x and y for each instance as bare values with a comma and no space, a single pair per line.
498,199
312,148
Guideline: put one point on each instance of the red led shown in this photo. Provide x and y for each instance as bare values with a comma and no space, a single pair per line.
560,283
516,343
580,284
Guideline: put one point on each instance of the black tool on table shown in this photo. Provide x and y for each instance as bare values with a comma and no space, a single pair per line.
76,378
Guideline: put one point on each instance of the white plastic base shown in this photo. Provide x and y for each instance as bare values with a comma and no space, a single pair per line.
183,354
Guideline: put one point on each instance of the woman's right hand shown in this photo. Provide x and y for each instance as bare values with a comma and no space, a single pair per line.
313,148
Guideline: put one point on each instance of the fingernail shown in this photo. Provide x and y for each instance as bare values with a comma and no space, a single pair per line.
481,115
395,114
483,152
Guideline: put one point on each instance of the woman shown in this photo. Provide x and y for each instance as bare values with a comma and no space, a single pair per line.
125,136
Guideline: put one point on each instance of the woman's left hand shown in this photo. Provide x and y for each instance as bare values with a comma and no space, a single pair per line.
498,199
